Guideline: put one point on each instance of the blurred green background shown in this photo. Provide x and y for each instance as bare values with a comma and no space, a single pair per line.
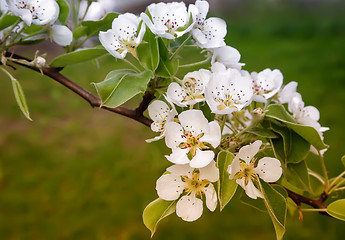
82,173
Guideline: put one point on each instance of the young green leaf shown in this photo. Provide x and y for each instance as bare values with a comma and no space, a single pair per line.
166,67
64,11
343,160
226,187
262,132
297,176
19,95
337,209
93,27
148,51
121,85
310,134
156,211
78,56
7,20
276,206
258,203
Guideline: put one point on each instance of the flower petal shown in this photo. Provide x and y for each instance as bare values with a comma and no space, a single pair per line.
189,208
169,187
210,172
211,197
62,35
247,152
269,169
201,159
250,189
213,136
194,121
178,156
176,94
173,134
158,110
181,170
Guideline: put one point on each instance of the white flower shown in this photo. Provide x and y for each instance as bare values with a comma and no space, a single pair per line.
307,116
288,92
227,55
193,184
187,139
208,33
192,89
38,12
3,7
244,171
161,114
123,37
167,20
96,10
228,90
62,35
266,84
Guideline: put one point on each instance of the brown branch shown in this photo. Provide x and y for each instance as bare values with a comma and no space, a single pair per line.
92,99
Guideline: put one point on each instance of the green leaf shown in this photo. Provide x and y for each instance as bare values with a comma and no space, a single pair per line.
296,148
148,51
337,209
79,32
94,27
33,29
32,42
258,203
310,134
297,177
121,85
166,67
7,20
78,56
226,186
19,95
64,11
261,132
156,211
276,206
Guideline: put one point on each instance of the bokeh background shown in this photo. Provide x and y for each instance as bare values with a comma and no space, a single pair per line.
82,173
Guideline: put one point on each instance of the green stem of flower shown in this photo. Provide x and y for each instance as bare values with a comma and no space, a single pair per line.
178,50
196,64
222,120
336,186
312,210
9,34
324,171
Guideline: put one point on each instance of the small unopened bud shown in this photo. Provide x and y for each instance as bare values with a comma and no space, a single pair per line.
40,61
257,114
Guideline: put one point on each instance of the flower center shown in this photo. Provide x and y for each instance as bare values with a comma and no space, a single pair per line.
246,172
192,89
194,184
192,143
129,45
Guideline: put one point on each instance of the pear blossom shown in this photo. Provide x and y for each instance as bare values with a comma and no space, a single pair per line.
307,116
208,33
192,89
124,36
266,84
161,114
289,91
38,12
228,90
227,55
189,139
243,168
192,184
3,7
167,20
96,10
62,35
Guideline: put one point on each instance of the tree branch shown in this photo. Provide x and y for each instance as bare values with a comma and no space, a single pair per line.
92,99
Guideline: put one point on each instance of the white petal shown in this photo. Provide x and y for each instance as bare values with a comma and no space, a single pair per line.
288,92
227,55
173,134
247,152
194,121
210,172
250,189
178,156
62,35
211,197
158,110
47,12
201,159
111,43
155,138
169,187
213,136
199,11
176,94
189,208
181,170
269,169
296,105
214,31
311,112
125,26
234,167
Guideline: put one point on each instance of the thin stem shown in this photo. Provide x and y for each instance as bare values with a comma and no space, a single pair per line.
324,171
9,34
339,189
337,185
196,64
178,50
336,179
312,210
